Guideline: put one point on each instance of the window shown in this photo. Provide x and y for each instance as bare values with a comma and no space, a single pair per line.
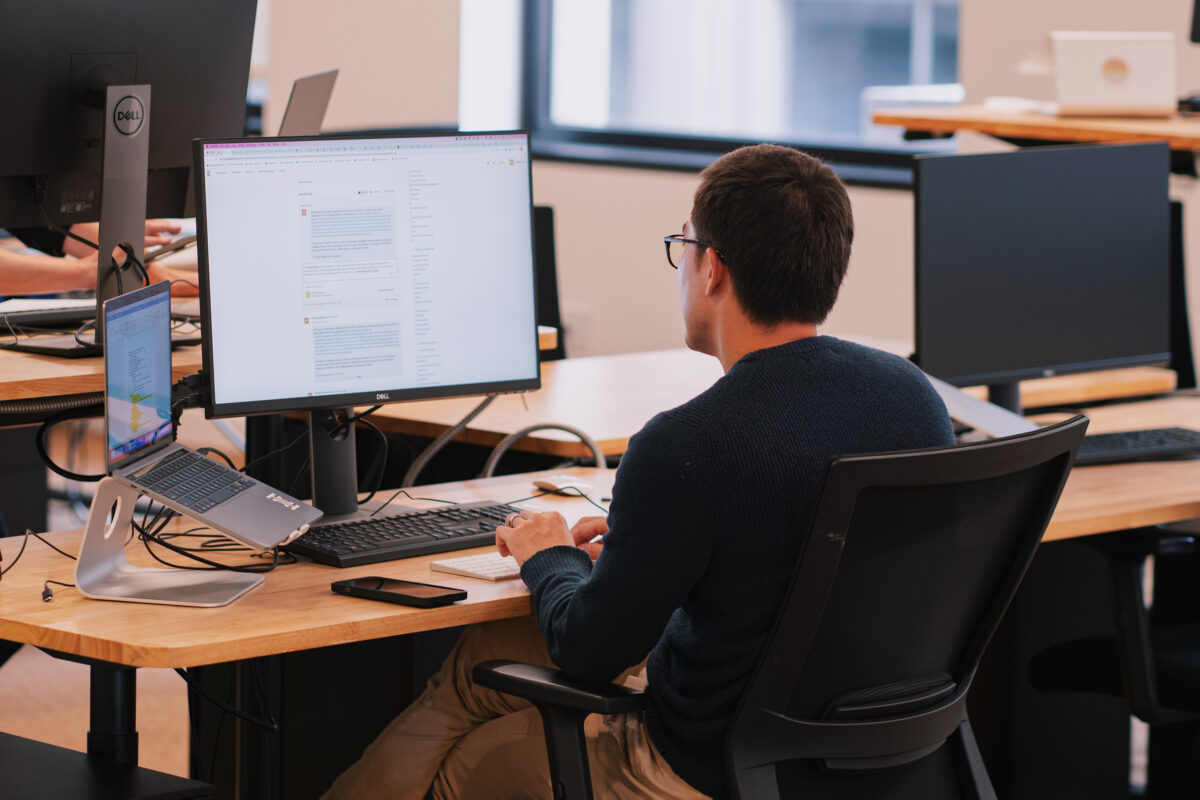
676,81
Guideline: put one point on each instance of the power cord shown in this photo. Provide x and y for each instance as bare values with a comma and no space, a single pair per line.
516,436
435,447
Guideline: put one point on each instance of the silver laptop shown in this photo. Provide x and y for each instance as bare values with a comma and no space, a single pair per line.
1114,73
306,106
140,435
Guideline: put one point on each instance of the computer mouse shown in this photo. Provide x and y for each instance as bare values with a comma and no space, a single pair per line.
563,484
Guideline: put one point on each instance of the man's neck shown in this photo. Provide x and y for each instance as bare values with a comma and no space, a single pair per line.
746,337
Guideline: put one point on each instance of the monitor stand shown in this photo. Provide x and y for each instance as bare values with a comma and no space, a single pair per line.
122,212
1005,395
104,573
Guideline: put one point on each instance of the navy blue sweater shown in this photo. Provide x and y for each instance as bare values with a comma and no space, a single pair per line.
711,504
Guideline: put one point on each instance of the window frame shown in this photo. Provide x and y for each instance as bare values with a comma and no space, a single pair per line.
860,165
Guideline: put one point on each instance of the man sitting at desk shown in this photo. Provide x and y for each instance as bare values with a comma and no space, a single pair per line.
710,508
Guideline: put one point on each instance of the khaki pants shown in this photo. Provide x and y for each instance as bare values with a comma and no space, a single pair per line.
469,742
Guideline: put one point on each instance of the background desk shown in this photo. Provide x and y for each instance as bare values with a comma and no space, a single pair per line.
611,397
1181,133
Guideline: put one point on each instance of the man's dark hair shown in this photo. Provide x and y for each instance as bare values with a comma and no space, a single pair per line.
781,221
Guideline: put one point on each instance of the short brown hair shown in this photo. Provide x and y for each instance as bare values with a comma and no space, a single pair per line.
782,223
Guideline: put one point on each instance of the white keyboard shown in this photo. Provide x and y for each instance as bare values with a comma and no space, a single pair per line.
485,567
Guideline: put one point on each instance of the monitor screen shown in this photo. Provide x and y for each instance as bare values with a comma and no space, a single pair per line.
137,371
1042,261
352,270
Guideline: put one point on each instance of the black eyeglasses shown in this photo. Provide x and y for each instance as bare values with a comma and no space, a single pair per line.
675,244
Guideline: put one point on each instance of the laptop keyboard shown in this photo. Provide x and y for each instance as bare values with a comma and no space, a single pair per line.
194,481
413,533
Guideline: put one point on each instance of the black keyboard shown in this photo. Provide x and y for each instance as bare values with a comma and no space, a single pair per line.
410,533
1155,444
194,481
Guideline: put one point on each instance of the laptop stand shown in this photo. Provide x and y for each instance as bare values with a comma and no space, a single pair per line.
103,573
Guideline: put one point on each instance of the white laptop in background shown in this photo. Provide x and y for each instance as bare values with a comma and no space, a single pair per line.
306,106
1114,73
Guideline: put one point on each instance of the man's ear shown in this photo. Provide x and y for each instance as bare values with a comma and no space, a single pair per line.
716,274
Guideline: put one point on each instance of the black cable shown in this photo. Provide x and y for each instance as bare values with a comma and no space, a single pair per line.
47,594
20,553
206,450
65,231
269,724
276,451
404,492
91,323
56,549
147,538
580,493
295,484
40,440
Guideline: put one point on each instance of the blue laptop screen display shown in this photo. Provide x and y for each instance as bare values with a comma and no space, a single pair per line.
137,375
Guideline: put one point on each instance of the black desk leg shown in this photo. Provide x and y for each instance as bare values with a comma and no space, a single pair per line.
113,732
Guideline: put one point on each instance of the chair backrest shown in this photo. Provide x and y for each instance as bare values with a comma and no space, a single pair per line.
545,265
910,564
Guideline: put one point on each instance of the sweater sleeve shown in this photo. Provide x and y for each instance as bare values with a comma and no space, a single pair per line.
600,620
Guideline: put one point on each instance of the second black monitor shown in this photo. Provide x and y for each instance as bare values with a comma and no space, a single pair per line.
1039,262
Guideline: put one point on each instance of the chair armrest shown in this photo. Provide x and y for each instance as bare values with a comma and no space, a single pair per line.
551,686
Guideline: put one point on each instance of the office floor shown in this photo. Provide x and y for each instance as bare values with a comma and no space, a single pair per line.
46,699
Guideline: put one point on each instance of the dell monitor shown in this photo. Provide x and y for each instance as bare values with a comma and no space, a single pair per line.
184,67
1041,262
344,271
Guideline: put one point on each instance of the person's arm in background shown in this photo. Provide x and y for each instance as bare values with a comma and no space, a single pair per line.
22,273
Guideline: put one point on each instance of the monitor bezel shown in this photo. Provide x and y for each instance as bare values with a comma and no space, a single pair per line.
1046,370
214,409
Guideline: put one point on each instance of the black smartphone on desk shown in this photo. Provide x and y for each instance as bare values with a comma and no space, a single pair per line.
393,590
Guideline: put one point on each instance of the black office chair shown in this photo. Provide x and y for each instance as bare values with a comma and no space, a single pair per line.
860,691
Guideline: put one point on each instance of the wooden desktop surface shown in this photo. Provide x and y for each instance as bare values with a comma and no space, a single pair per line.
294,609
1182,133
611,397
26,376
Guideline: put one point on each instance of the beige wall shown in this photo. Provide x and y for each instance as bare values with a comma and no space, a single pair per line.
399,62
398,59
616,290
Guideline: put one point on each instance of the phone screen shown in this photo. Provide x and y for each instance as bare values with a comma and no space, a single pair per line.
411,588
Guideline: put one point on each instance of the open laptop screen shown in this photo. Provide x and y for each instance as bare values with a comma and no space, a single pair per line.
137,371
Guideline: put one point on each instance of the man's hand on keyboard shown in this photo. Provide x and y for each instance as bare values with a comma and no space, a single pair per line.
529,532
587,529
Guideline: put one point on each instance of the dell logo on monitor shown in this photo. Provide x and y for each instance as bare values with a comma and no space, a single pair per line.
128,115
382,396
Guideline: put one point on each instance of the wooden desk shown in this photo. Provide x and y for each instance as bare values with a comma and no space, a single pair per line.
294,609
611,397
1181,133
26,376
